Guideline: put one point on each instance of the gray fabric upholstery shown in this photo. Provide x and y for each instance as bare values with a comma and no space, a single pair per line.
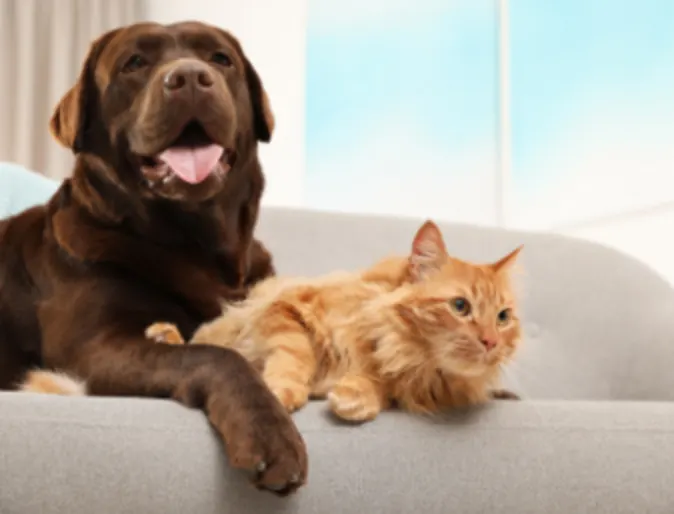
599,338
104,456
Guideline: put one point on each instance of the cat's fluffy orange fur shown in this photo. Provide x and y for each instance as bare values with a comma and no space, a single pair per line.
427,332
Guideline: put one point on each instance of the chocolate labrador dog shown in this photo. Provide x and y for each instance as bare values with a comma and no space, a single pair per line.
156,223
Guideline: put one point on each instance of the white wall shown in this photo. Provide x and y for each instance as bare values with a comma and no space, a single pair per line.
273,34
647,235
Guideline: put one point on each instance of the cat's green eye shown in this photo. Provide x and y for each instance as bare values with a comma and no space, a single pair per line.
460,305
504,316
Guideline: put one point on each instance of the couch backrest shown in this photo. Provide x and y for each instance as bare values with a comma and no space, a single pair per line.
598,324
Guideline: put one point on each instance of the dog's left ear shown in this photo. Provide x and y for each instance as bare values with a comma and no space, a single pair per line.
263,118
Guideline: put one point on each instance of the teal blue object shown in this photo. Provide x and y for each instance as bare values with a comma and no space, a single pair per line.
21,188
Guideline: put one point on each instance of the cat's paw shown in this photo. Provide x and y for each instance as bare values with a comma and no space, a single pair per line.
164,333
350,402
292,396
504,394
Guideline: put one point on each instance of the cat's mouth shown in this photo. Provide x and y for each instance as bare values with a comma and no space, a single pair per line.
468,358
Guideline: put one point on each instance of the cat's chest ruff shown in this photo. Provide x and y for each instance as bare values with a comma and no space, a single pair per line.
417,383
466,392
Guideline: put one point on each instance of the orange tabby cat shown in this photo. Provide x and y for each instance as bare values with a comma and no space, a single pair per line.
427,332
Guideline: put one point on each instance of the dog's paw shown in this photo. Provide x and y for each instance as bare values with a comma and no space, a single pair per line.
166,333
269,447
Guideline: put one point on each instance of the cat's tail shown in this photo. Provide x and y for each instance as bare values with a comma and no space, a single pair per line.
52,382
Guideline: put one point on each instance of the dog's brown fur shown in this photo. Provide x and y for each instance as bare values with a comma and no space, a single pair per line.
116,249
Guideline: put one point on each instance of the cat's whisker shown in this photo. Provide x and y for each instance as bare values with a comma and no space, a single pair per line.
511,379
521,370
515,379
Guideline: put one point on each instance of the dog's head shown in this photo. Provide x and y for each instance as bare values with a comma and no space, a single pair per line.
167,111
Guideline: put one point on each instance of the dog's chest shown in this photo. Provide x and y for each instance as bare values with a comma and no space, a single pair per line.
202,289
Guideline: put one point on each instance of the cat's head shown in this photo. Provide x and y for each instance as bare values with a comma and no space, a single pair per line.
465,314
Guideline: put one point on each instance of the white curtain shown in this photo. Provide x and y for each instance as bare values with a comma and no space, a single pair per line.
42,46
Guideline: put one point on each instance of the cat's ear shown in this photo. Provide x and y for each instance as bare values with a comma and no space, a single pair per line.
428,251
506,263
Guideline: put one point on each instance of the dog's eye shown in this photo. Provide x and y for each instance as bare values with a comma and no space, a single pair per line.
460,305
221,58
135,62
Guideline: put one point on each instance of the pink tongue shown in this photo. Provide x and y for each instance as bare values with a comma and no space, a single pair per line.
193,165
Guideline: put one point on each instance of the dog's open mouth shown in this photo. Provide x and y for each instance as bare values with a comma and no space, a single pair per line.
192,158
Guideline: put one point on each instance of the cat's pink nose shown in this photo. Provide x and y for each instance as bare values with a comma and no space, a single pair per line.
488,342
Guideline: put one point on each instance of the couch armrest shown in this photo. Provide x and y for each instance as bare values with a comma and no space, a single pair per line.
108,455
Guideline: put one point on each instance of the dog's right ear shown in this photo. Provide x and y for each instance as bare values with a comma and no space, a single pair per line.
71,119
263,117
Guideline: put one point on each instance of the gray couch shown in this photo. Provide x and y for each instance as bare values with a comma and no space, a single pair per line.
595,433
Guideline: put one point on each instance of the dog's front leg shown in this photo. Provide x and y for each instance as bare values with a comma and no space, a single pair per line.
259,435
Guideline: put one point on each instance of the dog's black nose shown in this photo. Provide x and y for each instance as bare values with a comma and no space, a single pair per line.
190,75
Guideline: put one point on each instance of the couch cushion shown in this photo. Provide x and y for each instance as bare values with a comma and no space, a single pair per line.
125,456
21,188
